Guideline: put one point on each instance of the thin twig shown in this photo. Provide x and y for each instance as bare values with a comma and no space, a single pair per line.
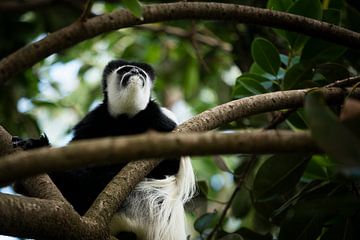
249,164
347,82
223,214
87,11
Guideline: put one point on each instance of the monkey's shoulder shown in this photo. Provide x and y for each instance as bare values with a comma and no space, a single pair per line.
99,123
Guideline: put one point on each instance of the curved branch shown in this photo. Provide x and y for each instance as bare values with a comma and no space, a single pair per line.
109,200
80,31
248,106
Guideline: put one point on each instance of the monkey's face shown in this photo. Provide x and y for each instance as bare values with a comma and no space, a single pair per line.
128,89
131,75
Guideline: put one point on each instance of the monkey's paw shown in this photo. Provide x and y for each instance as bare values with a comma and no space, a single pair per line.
30,143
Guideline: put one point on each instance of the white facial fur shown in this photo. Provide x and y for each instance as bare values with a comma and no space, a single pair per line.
129,99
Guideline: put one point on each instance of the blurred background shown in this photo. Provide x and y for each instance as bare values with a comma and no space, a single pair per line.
198,65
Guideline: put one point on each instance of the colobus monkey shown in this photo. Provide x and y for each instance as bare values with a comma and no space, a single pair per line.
154,209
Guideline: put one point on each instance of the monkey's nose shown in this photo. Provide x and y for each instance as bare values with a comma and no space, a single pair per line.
134,71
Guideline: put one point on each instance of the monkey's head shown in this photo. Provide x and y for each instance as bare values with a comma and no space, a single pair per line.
127,87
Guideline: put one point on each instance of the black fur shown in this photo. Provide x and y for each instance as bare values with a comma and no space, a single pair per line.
81,187
30,143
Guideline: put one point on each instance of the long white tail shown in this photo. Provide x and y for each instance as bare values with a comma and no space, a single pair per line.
155,208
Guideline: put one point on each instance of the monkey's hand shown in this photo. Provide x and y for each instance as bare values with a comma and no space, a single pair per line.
30,143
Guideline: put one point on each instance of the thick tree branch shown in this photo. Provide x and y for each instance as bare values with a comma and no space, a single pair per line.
41,186
150,145
248,106
108,202
80,31
44,219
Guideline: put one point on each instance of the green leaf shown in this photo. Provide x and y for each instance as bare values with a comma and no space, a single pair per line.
315,170
296,75
266,55
319,51
134,7
249,84
285,60
241,203
277,175
206,221
333,137
256,69
306,8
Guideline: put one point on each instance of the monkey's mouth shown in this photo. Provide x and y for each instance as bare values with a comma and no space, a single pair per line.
136,79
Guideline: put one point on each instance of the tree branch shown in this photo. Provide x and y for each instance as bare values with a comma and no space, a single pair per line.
109,200
248,106
149,145
347,82
49,218
80,31
41,186
45,219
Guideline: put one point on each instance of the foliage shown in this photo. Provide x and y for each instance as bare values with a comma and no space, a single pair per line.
293,196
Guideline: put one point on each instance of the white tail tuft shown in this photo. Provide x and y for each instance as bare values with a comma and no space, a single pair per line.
155,208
